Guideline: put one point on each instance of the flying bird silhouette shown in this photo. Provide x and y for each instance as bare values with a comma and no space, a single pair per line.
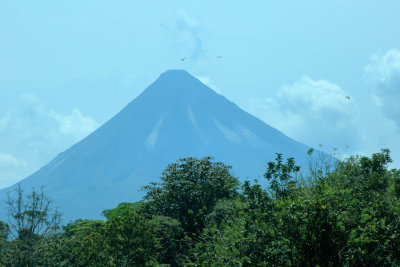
183,59
219,57
347,97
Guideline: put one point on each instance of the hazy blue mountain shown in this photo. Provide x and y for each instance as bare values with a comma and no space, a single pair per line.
176,116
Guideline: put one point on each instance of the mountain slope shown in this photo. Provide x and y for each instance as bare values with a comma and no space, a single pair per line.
176,116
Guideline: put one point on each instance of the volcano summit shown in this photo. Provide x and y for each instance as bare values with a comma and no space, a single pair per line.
177,116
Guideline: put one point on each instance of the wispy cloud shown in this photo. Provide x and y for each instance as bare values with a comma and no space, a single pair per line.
31,134
185,36
383,72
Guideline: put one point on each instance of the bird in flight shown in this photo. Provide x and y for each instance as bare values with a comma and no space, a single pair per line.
183,59
219,57
347,97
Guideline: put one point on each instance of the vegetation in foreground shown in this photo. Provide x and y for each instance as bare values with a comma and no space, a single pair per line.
198,215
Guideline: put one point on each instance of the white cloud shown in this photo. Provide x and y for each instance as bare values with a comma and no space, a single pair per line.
383,72
31,134
74,124
9,169
8,160
311,111
207,81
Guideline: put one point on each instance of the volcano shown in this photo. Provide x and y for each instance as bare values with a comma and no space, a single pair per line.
175,117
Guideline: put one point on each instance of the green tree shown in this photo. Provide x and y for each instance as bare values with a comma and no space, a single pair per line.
126,240
172,241
168,231
362,192
281,176
31,218
131,240
189,190
223,241
122,209
4,232
72,245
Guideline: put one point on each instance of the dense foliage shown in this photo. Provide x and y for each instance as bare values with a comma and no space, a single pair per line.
346,214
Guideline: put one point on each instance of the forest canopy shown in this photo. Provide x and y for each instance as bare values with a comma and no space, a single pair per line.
343,213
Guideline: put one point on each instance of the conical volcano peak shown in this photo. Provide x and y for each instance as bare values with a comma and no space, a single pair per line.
178,79
178,84
177,116
173,74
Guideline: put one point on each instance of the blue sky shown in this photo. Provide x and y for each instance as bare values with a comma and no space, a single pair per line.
66,67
